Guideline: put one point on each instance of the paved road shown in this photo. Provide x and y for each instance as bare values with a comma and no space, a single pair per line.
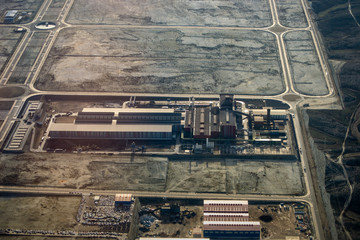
61,24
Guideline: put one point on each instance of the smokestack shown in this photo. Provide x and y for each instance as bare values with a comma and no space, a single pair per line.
268,118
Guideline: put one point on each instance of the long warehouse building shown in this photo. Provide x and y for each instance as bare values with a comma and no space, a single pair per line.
119,123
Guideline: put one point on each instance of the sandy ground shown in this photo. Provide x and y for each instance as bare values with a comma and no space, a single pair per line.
172,12
40,213
307,75
150,173
163,61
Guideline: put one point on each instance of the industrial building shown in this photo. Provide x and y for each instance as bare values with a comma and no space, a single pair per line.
119,123
10,16
123,199
225,121
227,219
203,122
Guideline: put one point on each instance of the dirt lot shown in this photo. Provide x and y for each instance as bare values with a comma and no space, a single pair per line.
307,74
84,171
40,213
280,224
276,224
181,229
172,13
235,177
163,61
150,173
8,41
291,13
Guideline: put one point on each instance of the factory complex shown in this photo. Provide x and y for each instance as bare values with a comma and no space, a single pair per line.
202,126
119,123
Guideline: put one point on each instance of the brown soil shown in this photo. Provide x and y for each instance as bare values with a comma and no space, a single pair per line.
11,92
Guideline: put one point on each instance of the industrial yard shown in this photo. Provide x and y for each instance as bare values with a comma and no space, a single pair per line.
160,118
75,215
278,220
282,219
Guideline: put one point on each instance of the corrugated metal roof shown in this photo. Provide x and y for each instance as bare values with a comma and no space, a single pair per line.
110,128
272,111
123,197
226,208
96,113
232,226
216,223
226,202
219,218
226,214
130,110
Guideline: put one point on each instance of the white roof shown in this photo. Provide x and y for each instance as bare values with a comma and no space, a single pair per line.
230,223
272,111
130,110
226,214
110,127
11,13
226,202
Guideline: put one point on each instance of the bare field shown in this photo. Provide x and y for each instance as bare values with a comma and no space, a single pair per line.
84,171
145,173
53,10
172,13
8,42
307,74
283,223
235,177
28,58
40,213
163,61
291,13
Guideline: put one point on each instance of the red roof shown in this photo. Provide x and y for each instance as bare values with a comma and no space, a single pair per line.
229,226
226,218
226,208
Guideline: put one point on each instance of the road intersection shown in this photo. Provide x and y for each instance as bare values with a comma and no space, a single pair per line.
276,28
